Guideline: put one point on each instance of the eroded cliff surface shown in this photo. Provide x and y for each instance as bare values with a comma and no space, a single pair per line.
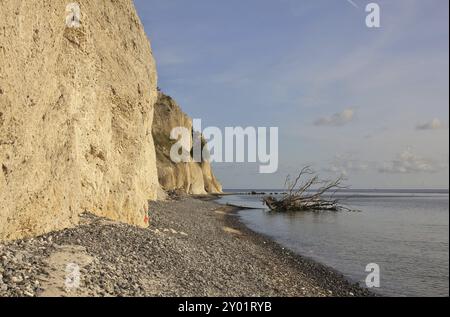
76,109
192,177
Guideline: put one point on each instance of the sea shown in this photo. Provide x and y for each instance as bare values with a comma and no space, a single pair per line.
395,241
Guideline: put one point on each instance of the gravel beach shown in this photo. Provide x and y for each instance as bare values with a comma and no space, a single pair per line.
194,247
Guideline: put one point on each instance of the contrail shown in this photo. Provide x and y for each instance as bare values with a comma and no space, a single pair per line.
352,3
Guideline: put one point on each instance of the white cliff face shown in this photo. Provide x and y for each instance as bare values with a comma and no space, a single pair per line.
76,112
191,178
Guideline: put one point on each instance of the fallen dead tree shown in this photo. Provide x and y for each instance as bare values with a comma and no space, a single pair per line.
307,192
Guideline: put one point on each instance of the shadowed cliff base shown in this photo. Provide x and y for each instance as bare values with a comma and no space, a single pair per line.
192,248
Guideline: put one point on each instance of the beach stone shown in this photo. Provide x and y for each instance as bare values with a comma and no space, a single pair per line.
28,294
16,279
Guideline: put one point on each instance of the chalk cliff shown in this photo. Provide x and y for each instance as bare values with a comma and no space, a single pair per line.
191,178
76,112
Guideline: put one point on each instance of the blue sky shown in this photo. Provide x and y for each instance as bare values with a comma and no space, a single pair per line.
371,104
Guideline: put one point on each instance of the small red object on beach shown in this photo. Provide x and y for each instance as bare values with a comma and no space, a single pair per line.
146,219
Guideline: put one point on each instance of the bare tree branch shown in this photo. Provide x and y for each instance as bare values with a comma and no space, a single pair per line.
306,193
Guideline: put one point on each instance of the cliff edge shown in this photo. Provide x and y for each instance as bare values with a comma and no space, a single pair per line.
76,112
192,177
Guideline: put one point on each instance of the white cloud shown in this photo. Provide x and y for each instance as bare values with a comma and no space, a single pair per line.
408,162
434,124
344,165
337,119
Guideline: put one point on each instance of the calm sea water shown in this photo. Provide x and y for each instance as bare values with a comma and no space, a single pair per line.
405,233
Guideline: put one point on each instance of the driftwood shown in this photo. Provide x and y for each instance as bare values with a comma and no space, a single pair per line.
312,194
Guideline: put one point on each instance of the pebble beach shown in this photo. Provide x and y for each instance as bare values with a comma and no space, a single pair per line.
194,247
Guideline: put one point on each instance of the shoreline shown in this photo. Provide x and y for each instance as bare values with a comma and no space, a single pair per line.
194,247
321,272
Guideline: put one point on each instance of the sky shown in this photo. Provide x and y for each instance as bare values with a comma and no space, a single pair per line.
367,103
